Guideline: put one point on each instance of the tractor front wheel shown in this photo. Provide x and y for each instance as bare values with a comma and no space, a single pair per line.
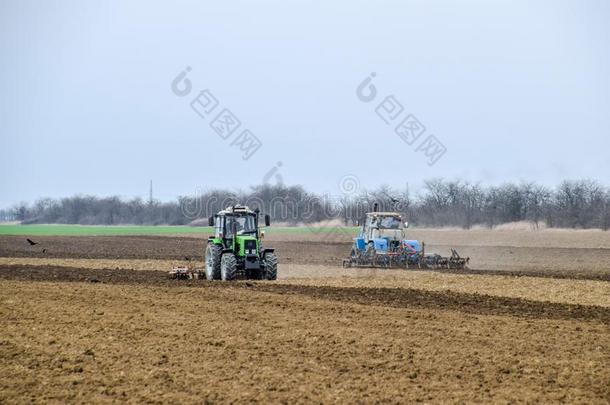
270,266
212,262
228,267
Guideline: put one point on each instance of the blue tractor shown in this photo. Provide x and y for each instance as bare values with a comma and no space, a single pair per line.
382,243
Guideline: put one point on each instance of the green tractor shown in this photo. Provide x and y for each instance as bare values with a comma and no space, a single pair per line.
235,249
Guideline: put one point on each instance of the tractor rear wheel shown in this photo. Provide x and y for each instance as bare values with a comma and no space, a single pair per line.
370,249
270,266
212,262
371,254
228,267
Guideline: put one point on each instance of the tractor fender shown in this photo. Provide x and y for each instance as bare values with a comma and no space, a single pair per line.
415,244
268,250
360,244
227,250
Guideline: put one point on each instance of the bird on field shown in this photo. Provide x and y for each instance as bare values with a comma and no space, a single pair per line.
187,258
31,242
44,250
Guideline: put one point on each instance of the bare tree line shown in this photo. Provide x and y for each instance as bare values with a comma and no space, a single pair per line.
572,204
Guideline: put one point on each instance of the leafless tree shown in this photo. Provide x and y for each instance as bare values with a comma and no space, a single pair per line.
576,204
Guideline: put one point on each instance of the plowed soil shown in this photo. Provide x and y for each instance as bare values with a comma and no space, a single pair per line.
95,319
588,263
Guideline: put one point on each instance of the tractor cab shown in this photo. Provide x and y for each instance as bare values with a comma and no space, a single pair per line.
237,228
235,223
379,225
383,232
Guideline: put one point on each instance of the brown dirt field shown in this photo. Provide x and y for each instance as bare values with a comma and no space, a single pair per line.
560,238
116,264
529,322
85,342
545,289
581,262
364,293
104,247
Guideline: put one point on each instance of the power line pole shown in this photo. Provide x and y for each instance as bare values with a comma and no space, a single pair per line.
150,195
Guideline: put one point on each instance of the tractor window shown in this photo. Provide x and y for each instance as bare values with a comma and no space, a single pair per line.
245,224
389,223
218,226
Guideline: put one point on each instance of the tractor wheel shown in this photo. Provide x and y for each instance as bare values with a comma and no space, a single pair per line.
371,254
270,266
212,262
354,257
228,267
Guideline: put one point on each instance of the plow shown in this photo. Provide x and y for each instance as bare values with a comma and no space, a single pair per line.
382,243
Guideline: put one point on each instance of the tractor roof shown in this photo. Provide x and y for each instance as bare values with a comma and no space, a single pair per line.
237,210
383,214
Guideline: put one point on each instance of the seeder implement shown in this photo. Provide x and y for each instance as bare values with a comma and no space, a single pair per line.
406,259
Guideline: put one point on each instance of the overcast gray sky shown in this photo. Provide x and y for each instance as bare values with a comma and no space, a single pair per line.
514,90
